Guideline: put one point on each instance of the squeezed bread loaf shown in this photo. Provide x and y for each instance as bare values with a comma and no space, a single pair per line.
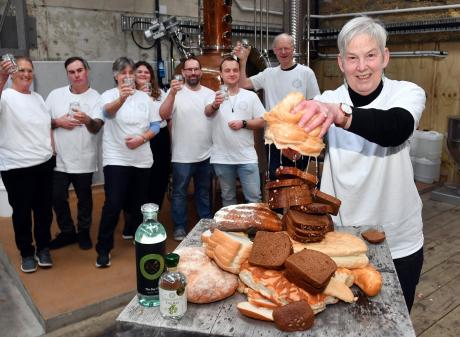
283,129
295,316
240,218
206,282
270,250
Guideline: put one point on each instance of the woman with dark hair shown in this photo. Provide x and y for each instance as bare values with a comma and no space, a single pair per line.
26,163
161,144
131,120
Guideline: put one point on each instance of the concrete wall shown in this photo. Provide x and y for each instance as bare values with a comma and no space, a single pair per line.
93,28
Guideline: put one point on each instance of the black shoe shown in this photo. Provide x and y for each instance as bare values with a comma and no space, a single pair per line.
63,239
127,233
103,260
84,240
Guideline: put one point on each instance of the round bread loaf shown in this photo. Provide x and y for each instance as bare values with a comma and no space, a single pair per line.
206,282
295,316
373,236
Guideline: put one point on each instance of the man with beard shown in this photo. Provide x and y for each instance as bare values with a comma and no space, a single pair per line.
191,144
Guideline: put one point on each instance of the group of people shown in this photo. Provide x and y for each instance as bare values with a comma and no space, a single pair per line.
368,121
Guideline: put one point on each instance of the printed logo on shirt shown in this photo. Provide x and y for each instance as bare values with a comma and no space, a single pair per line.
296,83
142,107
243,106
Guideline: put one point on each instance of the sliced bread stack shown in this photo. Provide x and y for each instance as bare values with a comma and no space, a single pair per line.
307,210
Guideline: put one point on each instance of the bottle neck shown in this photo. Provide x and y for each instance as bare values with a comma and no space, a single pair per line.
150,216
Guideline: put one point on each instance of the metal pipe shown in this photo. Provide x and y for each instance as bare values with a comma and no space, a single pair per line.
387,11
267,6
254,8
261,25
294,27
200,31
255,23
418,53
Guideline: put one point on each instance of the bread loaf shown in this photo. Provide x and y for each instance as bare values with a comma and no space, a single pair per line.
240,218
206,282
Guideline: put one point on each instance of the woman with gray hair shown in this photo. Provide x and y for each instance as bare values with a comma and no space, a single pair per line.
368,121
131,120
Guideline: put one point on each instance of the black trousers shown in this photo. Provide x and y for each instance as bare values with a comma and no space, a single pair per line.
29,194
409,269
161,168
82,185
125,186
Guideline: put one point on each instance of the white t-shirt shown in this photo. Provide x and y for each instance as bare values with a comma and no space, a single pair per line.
76,149
278,83
25,130
133,118
375,183
230,146
191,129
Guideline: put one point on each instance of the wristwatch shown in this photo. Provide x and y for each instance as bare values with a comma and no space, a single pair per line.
245,124
347,112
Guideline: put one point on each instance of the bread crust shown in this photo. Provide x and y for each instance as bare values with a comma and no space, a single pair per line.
285,197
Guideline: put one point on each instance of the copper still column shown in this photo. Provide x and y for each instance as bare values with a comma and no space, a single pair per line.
217,29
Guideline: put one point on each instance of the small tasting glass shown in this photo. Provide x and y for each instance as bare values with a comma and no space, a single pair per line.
12,59
73,107
224,90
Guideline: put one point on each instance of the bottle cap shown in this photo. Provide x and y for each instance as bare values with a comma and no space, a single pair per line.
149,208
172,260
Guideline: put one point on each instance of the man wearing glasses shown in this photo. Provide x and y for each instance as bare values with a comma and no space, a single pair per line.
277,82
191,144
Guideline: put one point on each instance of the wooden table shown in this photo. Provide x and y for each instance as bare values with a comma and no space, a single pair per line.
383,315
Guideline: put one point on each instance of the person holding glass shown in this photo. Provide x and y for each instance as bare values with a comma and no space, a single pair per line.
26,163
131,120
160,144
368,121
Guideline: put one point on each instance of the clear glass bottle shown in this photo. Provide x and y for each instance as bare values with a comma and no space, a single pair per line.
150,241
173,290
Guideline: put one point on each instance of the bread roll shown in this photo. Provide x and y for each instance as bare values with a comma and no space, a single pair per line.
368,279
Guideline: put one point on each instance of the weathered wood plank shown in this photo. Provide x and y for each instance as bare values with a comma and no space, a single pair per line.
432,208
437,251
448,326
441,221
432,308
383,315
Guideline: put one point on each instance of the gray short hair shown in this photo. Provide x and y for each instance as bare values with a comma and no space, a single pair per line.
362,25
281,37
120,64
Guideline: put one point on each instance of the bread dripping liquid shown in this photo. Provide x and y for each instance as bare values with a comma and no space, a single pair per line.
267,177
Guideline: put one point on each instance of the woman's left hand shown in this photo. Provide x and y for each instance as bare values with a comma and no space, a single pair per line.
133,142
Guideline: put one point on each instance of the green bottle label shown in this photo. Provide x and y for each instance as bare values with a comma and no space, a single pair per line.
149,267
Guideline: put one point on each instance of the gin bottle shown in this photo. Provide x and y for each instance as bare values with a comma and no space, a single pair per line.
173,291
150,240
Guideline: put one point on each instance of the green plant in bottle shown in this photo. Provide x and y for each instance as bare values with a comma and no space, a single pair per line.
150,241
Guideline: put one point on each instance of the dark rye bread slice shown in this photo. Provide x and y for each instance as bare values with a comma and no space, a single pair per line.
310,266
373,236
295,316
304,285
283,183
285,197
324,198
314,208
270,250
290,172
311,222
313,237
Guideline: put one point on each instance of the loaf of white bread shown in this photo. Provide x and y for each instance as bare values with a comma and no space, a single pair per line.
347,250
206,282
228,249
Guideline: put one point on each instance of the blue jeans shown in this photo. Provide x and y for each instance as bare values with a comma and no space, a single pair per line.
202,175
249,178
